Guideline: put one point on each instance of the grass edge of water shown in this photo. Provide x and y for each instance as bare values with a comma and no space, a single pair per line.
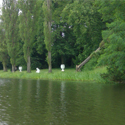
57,74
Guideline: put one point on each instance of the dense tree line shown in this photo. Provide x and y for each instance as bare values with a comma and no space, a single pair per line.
46,33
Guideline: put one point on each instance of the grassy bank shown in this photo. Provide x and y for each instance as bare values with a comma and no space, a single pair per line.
57,74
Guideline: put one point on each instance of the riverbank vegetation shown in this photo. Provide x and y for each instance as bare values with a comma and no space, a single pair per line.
48,33
57,74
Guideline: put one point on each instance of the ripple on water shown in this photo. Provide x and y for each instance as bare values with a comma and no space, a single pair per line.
61,103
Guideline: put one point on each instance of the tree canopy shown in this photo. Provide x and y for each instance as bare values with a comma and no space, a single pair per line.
48,33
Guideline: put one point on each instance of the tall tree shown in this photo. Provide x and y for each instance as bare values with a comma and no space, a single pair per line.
39,45
4,57
40,29
86,23
27,27
63,36
10,17
47,30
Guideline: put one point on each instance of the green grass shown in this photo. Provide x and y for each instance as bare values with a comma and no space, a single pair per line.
57,74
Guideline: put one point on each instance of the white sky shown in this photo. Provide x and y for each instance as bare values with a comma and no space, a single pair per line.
0,5
1,2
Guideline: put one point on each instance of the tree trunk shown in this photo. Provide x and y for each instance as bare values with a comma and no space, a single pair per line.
13,68
49,34
49,61
78,67
62,59
28,65
4,67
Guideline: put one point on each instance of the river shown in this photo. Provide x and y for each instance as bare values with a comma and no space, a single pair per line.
42,102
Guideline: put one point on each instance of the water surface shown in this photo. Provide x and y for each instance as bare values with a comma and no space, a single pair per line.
37,102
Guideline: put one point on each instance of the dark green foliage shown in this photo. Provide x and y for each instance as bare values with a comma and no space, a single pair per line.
4,57
20,58
1,66
11,27
39,44
86,24
78,20
42,23
47,9
63,37
28,18
39,53
27,26
114,53
38,59
47,24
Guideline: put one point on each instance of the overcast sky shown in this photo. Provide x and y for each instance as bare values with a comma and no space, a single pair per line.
0,5
0,2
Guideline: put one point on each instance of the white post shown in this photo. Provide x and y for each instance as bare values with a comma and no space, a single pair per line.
37,70
62,67
20,68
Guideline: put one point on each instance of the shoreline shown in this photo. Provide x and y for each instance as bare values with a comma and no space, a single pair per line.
57,74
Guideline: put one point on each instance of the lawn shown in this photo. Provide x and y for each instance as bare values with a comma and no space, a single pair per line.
57,74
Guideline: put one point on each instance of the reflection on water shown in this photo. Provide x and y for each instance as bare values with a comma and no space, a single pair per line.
38,88
63,103
36,102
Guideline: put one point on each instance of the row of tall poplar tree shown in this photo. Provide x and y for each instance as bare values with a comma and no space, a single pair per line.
43,26
19,23
63,31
